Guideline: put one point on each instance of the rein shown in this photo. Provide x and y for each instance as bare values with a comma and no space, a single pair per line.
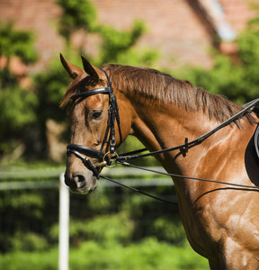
187,145
121,159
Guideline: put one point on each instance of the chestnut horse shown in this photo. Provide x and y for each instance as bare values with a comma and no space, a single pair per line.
221,221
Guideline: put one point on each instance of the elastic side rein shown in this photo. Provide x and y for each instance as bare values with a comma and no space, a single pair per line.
138,191
231,185
189,177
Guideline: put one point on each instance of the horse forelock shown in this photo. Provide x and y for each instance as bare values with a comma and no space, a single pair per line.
160,86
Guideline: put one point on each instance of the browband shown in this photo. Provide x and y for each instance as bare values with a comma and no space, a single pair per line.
104,90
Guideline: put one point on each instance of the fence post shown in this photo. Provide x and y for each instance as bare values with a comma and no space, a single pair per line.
63,225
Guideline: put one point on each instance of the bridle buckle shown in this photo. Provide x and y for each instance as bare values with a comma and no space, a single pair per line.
112,161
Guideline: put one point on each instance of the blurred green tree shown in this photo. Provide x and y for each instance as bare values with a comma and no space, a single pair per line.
238,80
17,105
17,43
77,14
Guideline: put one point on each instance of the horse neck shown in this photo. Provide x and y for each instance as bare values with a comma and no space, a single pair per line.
165,126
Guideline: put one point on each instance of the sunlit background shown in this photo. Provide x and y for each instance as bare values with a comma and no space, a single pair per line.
212,43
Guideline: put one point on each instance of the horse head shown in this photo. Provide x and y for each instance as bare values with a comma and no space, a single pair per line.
95,128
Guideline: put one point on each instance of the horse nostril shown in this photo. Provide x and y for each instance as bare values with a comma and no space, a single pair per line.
79,178
74,181
79,181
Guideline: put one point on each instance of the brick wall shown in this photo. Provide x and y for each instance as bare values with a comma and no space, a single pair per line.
239,12
174,28
37,16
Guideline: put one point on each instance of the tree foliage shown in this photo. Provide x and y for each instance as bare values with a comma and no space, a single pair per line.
17,105
17,43
76,14
236,79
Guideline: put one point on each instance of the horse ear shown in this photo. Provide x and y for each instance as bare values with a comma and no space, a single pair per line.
72,70
90,69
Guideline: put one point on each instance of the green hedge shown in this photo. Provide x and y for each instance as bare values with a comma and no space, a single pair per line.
149,254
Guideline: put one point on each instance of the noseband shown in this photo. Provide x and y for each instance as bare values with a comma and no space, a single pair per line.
113,116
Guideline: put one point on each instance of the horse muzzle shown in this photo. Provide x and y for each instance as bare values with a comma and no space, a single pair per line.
81,182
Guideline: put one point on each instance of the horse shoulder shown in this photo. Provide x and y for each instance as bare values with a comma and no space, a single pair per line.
227,217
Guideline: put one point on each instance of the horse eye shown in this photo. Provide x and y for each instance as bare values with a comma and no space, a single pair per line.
96,114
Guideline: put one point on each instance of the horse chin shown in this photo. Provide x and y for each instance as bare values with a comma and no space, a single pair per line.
82,191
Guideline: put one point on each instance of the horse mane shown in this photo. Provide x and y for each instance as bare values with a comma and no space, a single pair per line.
156,85
162,87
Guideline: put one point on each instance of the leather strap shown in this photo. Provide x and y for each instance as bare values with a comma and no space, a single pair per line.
256,140
91,151
104,90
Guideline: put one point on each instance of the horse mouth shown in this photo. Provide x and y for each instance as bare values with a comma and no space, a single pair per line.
83,189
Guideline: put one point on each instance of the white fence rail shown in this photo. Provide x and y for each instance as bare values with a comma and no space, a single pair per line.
126,175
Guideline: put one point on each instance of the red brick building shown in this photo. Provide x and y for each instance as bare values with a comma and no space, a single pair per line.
182,30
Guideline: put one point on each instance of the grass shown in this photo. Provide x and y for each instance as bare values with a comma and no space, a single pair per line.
146,255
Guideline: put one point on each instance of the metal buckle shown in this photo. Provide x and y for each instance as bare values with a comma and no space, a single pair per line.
112,160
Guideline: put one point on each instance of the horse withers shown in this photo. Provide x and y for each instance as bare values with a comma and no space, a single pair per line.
221,217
